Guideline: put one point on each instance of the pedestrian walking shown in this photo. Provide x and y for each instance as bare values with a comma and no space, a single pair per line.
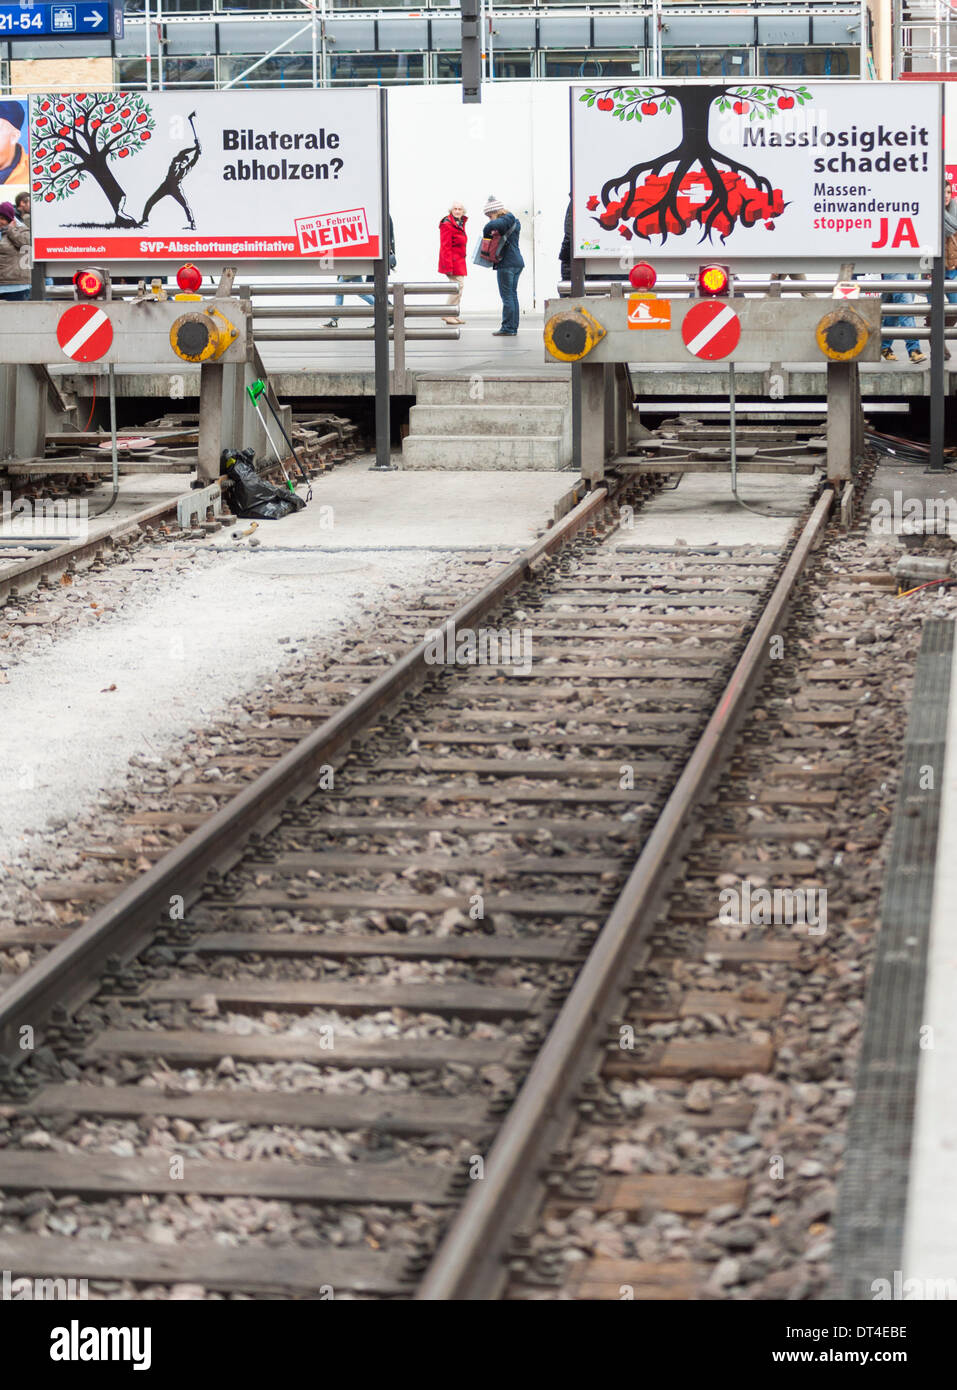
453,244
508,265
362,280
15,260
901,321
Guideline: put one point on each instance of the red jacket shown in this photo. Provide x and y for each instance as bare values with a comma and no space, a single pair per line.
452,247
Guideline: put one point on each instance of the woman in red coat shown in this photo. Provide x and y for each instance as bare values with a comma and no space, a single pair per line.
452,248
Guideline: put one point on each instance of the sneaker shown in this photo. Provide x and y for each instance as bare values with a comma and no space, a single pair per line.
331,323
889,355
504,333
917,356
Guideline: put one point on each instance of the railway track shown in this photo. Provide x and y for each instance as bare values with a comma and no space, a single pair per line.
326,1044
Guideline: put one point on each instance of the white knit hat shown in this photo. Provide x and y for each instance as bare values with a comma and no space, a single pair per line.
493,204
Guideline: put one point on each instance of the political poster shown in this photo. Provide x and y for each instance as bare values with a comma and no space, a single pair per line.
786,170
247,175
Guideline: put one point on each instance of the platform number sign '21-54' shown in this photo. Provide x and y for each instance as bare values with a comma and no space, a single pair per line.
158,175
789,170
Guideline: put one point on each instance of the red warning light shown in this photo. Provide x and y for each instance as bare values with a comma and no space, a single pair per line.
643,276
714,280
189,278
89,284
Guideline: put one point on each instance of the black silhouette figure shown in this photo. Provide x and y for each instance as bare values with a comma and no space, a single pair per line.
171,187
694,148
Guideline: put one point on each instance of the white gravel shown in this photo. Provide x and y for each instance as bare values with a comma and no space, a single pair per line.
179,650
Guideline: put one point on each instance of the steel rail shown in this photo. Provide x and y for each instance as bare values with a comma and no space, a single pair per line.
470,1261
55,561
68,975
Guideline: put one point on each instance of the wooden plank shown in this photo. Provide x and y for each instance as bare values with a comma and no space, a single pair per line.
104,1175
517,904
186,1047
451,791
614,738
542,768
77,890
593,828
776,830
269,1271
32,936
639,1280
383,1111
399,946
454,862
571,671
776,796
456,1000
731,1114
731,1004
751,952
692,1057
686,1195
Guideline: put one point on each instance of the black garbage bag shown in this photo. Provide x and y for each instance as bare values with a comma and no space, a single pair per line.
249,495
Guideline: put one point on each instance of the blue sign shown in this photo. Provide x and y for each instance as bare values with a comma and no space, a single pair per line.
72,20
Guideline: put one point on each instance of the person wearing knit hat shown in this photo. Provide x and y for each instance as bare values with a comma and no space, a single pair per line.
13,156
15,259
509,265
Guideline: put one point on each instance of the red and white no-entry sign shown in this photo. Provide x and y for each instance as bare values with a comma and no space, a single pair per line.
84,332
711,329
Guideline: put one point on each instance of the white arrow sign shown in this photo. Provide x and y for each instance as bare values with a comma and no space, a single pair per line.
93,19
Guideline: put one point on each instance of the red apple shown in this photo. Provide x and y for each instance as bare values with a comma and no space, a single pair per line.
74,183
740,107
44,106
80,120
94,124
61,107
123,153
40,153
41,120
49,197
64,130
145,135
108,110
38,168
785,103
55,168
606,104
60,147
37,187
116,127
125,112
649,108
141,118
81,96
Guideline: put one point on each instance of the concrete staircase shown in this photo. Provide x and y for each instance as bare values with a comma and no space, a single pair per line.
489,423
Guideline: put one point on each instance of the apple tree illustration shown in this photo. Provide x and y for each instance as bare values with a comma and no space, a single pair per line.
79,135
693,182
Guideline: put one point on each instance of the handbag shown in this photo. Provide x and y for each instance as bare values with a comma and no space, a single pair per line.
491,250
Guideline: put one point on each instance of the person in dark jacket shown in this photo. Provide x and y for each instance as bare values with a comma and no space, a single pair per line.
15,260
510,264
453,243
565,250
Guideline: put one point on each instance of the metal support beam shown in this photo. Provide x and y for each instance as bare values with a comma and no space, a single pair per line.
471,51
592,421
845,421
210,421
938,365
380,279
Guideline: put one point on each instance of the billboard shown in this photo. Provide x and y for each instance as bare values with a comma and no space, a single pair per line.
120,176
846,171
